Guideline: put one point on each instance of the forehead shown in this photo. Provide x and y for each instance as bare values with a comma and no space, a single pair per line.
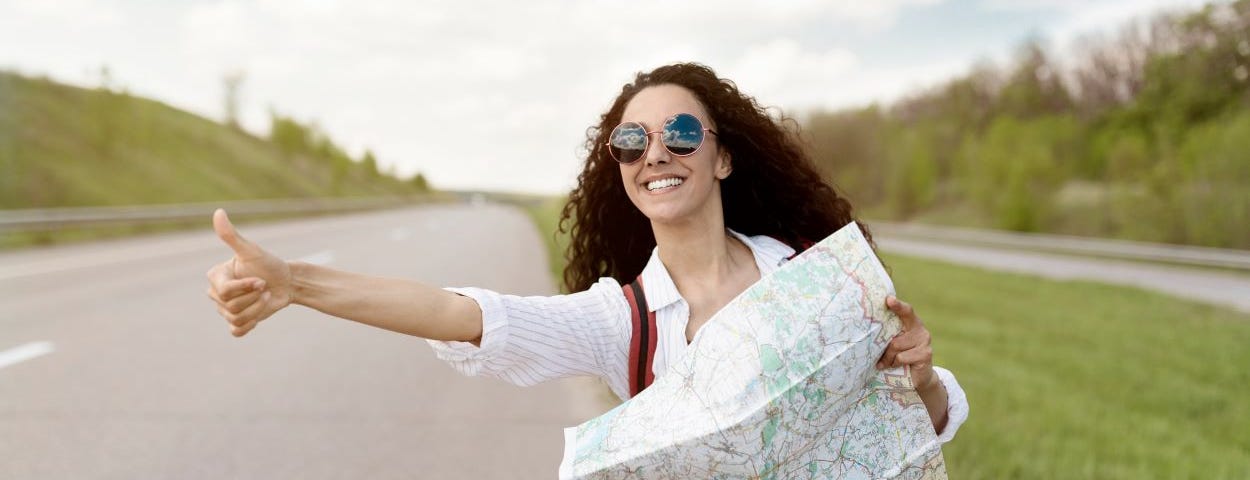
654,104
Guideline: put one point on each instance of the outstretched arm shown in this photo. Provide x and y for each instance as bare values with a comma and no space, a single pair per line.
254,284
397,305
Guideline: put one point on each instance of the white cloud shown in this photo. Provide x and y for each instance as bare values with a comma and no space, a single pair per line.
1034,4
783,73
473,94
1110,15
78,13
1079,17
876,15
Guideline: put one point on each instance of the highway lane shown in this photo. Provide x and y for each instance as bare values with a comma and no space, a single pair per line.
1224,288
134,375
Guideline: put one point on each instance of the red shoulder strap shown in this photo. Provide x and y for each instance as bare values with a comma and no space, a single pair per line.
804,244
640,359
642,343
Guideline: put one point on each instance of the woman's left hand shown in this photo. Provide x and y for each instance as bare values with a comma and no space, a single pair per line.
910,347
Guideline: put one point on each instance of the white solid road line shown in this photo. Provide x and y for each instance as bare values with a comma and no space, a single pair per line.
25,352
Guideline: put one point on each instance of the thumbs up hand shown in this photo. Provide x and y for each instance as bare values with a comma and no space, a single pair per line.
250,286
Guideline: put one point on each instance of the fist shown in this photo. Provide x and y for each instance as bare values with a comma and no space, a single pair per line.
251,285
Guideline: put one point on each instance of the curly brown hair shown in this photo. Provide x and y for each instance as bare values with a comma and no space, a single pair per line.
774,190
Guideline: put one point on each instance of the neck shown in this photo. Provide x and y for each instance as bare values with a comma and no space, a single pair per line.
698,253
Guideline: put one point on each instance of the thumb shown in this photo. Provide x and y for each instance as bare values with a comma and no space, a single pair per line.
227,233
904,311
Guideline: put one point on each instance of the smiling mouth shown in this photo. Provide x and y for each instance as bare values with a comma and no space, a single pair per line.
664,183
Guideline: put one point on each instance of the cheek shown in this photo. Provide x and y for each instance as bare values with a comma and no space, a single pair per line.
706,166
627,175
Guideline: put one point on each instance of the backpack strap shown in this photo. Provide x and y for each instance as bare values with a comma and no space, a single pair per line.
642,343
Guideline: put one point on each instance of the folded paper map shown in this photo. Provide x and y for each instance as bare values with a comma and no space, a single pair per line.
780,383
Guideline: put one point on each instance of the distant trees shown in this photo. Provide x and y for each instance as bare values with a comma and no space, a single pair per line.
418,181
291,137
307,143
1146,135
369,164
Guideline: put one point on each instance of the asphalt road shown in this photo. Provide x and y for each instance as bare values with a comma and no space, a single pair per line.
1201,284
113,363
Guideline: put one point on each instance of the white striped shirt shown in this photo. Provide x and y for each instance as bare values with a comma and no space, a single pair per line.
528,340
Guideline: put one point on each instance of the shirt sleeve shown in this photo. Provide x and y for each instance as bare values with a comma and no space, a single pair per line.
956,404
529,340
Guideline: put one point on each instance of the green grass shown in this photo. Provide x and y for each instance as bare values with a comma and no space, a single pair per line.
1084,380
63,146
546,216
1076,379
68,146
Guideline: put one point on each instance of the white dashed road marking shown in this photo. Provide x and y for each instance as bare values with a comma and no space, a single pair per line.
16,355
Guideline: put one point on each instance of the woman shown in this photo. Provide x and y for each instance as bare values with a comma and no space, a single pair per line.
688,184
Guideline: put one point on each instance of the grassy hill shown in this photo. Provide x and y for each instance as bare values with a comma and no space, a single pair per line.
67,146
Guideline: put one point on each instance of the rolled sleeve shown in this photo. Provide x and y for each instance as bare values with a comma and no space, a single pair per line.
466,357
956,404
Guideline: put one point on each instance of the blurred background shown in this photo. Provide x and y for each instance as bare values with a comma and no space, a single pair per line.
1061,188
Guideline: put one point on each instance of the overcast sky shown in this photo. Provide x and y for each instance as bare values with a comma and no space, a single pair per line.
498,94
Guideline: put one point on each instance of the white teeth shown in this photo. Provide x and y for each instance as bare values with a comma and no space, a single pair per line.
666,182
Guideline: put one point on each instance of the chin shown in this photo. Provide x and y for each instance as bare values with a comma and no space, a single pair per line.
666,213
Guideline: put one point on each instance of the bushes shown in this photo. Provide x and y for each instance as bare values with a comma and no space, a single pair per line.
1146,138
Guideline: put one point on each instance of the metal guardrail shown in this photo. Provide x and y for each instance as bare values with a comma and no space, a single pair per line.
44,219
1122,249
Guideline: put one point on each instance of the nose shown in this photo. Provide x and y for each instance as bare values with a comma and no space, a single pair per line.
656,153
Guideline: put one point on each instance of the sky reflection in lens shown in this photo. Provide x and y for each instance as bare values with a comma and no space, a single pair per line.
629,136
683,133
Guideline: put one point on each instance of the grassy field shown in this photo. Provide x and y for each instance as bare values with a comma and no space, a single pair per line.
1083,380
64,146
546,216
1077,379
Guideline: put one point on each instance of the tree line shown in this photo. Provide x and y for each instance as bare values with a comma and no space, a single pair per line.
1143,134
300,142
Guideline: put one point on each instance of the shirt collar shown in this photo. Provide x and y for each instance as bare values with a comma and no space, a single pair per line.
661,292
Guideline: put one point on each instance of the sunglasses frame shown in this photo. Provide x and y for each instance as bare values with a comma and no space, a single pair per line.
647,138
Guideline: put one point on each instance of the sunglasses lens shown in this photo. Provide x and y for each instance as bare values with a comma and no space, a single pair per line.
628,142
683,134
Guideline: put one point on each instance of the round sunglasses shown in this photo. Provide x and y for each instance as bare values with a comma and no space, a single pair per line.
682,135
